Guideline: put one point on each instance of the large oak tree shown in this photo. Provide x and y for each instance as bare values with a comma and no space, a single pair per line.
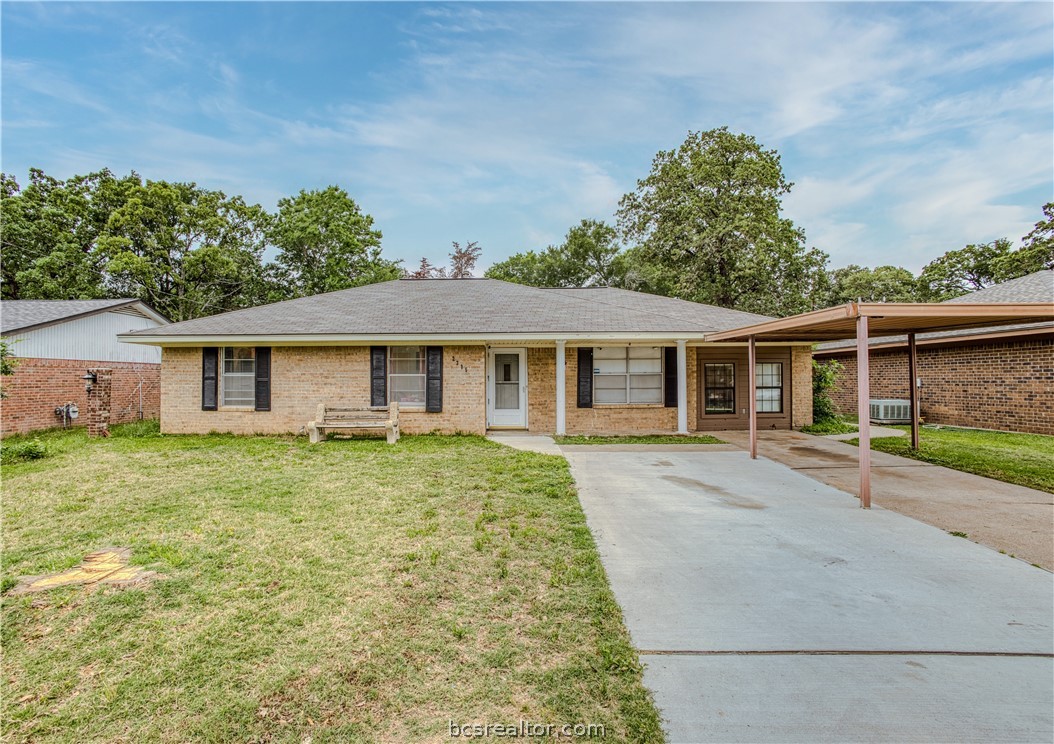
709,214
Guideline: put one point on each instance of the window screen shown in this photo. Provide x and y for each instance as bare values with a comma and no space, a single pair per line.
406,375
627,374
769,381
239,376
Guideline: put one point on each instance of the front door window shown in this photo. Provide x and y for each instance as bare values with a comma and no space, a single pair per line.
507,381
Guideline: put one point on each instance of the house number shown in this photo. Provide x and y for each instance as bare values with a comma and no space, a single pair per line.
454,360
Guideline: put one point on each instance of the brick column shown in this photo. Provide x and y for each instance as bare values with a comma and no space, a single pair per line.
99,403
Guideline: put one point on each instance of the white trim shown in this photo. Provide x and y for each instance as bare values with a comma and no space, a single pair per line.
366,339
337,339
561,387
521,421
682,386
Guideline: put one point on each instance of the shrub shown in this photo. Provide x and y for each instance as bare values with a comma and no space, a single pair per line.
824,380
31,449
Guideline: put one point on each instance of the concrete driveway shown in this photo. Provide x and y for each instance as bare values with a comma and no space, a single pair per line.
768,607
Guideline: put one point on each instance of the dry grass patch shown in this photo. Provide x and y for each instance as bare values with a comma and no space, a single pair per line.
350,591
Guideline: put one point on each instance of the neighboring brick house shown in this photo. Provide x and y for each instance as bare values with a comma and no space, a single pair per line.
990,378
55,342
468,355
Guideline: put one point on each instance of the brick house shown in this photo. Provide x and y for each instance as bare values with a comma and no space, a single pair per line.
54,342
468,355
991,378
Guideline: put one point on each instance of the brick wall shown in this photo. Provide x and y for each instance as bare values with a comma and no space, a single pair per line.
626,419
801,386
303,377
40,385
1007,386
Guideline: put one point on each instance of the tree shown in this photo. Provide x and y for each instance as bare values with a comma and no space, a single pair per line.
185,250
426,270
325,243
710,211
7,363
880,284
463,260
965,270
1036,254
589,256
50,230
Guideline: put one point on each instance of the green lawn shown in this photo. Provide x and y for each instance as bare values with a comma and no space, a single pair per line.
642,439
348,591
1024,459
833,426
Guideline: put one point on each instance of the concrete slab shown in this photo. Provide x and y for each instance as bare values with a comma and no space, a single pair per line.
526,442
715,552
864,698
1014,519
877,432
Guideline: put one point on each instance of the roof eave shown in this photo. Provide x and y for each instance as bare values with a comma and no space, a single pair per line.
472,339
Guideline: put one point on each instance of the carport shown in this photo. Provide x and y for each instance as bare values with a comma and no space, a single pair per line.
862,321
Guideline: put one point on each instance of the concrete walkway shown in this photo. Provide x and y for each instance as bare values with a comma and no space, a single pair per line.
526,442
768,607
877,432
1017,520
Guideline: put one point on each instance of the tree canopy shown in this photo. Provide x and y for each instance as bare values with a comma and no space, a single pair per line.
703,225
325,243
710,212
187,251
880,284
589,256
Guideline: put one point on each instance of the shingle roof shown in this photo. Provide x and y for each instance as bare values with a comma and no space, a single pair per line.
16,315
1035,287
434,307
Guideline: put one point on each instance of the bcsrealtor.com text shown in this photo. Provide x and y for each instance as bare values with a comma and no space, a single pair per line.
526,730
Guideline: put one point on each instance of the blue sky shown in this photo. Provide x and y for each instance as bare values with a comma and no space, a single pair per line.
909,129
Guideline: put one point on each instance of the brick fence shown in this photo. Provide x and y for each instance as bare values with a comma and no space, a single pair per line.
40,385
1007,386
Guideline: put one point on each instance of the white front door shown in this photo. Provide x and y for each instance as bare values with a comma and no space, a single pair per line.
507,388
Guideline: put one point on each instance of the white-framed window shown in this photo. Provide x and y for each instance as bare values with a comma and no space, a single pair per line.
238,377
769,395
627,374
406,375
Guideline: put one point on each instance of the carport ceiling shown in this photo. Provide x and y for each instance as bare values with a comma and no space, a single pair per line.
889,319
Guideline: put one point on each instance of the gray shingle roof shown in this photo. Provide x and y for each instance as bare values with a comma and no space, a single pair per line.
16,315
434,307
1035,287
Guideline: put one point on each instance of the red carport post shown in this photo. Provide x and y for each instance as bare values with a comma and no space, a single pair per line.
913,390
752,392
863,410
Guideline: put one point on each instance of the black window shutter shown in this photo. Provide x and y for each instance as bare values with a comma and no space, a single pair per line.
263,378
669,376
210,367
378,375
434,382
585,377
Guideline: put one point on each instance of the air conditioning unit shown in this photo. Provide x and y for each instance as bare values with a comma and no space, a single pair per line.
891,411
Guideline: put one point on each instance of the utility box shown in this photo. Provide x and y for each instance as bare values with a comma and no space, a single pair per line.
890,411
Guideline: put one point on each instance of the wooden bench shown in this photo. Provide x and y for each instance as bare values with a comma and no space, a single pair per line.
330,418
